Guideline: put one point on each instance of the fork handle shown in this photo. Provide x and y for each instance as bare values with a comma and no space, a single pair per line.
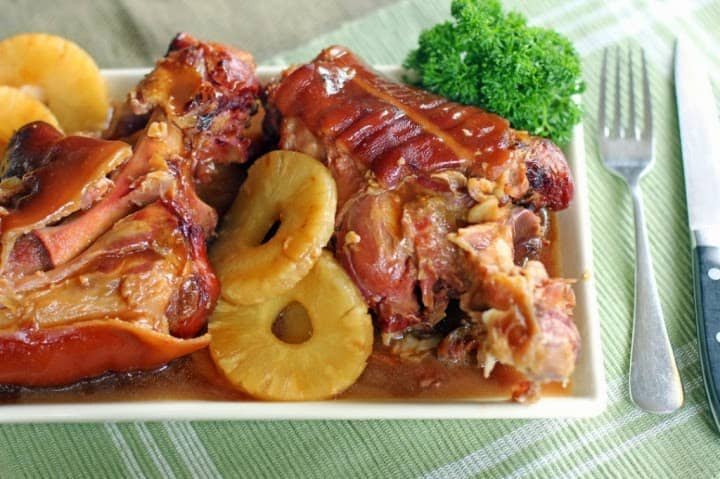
654,380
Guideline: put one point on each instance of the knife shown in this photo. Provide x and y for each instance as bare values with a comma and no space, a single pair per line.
700,134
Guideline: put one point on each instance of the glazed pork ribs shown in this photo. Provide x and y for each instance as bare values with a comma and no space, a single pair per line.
103,241
440,205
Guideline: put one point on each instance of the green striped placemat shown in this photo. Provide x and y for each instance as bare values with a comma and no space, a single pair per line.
622,442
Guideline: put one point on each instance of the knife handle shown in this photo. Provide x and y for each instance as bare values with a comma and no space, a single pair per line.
706,268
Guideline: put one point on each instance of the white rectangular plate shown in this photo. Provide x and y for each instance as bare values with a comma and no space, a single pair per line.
588,392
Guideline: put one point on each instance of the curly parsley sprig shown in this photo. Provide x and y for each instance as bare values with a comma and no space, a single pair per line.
498,62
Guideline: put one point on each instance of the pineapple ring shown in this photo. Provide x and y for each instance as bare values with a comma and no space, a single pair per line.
256,361
60,74
17,109
284,186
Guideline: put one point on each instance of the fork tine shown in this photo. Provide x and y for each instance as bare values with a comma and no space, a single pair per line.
631,91
603,82
617,123
647,102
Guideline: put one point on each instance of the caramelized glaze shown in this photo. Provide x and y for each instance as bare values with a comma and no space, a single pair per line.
393,129
54,190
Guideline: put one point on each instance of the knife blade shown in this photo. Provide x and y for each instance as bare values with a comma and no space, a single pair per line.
700,133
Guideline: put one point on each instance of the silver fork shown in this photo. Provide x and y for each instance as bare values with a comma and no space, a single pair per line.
654,380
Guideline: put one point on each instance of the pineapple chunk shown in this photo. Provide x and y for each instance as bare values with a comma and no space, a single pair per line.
256,361
17,109
60,74
286,187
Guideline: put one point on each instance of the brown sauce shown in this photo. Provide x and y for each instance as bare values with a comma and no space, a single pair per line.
196,378
386,377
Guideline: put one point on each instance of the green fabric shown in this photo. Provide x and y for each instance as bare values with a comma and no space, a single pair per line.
622,442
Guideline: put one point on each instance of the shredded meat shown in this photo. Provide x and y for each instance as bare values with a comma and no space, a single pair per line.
104,240
438,202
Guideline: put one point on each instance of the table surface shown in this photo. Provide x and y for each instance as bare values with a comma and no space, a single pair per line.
622,442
